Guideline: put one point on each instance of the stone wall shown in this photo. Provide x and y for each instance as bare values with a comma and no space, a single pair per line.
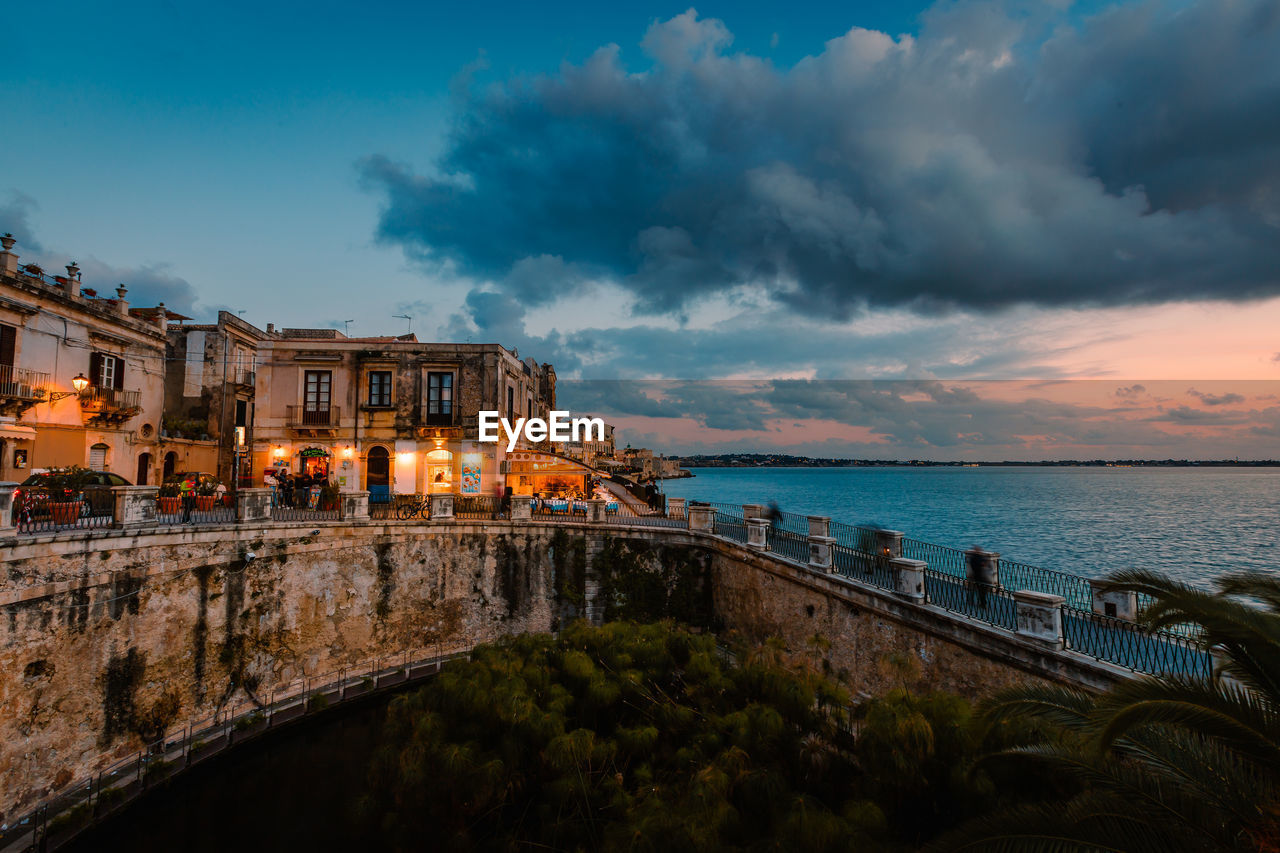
105,639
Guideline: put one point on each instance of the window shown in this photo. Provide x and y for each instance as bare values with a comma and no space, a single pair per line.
106,370
316,385
8,344
511,402
380,389
439,398
528,413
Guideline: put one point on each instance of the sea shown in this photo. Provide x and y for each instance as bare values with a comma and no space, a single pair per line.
1193,523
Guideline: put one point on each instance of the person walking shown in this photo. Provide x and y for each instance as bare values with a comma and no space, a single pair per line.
187,490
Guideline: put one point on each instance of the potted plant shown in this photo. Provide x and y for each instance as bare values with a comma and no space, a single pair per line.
66,493
170,498
206,494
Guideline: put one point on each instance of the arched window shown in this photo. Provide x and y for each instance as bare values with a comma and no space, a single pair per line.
170,464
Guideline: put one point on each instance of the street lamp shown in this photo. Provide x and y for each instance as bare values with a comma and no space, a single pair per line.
78,382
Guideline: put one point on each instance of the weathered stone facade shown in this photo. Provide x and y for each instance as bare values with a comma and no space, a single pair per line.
107,638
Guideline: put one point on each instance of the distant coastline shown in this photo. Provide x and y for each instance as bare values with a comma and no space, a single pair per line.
774,460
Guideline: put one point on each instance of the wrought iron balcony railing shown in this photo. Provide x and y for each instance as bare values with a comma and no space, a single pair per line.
309,417
110,400
18,383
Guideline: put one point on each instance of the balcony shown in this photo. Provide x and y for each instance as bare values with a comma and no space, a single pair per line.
245,377
20,389
110,406
316,420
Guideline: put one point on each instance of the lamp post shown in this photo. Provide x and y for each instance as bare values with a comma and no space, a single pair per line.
78,382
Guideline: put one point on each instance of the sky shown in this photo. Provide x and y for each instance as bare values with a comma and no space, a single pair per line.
951,192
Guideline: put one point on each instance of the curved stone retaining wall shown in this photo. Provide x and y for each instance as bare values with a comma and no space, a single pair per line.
107,638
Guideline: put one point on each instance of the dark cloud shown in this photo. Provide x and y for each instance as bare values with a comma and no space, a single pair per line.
147,284
15,219
1131,157
928,419
1227,399
1131,392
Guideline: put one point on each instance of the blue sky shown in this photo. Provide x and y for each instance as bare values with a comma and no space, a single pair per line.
974,189
221,140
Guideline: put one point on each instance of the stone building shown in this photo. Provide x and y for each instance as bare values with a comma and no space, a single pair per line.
386,414
80,375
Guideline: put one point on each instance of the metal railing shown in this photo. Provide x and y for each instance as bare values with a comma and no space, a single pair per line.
244,376
19,383
36,511
110,399
1141,649
290,513
477,506
196,509
312,416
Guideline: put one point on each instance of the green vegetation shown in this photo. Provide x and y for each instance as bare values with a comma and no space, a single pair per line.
649,737
1158,764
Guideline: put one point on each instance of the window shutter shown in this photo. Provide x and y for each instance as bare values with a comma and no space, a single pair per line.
119,375
95,369
8,343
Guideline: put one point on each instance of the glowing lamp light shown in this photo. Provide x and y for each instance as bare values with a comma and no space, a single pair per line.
346,452
79,382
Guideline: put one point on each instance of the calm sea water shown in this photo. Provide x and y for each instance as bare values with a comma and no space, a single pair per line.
1192,523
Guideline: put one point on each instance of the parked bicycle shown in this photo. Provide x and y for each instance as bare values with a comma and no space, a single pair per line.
413,506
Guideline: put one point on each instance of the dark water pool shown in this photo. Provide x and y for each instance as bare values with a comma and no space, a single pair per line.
294,789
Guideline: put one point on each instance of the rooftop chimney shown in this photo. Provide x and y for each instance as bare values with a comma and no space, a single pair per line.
271,328
73,279
121,305
8,260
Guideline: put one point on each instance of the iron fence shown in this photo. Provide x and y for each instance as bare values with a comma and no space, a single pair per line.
789,544
194,511
862,566
479,507
1141,649
982,602
36,511
288,513
730,527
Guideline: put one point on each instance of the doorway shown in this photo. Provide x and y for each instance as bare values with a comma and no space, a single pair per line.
378,481
170,464
144,470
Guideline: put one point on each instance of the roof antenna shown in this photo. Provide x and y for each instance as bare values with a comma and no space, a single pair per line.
347,327
405,317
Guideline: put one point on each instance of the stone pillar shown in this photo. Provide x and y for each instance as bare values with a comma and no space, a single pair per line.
675,508
595,510
135,506
888,543
441,507
521,508
1122,604
982,567
702,518
820,556
750,511
8,260
908,578
253,505
122,304
73,279
819,525
6,509
353,505
758,533
1040,616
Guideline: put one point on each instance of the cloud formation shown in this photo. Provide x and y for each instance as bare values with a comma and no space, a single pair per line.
148,284
1001,157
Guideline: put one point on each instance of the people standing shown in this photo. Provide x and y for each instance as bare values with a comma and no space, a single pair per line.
187,490
273,484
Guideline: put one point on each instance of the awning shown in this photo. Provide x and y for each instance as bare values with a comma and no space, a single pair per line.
21,433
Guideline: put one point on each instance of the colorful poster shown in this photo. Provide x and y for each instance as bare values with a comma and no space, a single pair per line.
470,475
